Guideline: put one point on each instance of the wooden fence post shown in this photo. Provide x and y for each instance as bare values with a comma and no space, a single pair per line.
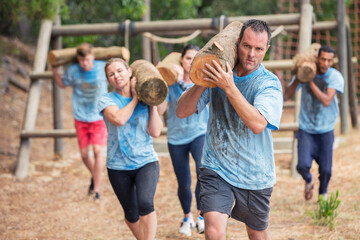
42,48
352,86
342,52
58,99
305,33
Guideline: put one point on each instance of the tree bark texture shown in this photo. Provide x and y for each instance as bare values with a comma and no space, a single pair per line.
150,87
304,63
166,67
68,55
222,48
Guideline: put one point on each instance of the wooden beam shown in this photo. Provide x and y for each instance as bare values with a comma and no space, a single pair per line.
53,133
352,85
342,54
166,25
47,75
289,126
22,162
287,64
58,98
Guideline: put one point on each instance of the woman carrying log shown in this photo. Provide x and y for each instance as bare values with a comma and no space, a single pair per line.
185,136
132,162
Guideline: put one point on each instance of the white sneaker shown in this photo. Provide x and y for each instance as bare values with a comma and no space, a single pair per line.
186,225
200,225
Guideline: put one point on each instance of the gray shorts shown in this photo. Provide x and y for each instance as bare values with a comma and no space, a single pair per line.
251,206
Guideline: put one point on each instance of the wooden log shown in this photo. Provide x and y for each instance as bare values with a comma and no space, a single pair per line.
51,133
304,63
58,98
222,48
150,87
342,54
22,162
68,55
166,67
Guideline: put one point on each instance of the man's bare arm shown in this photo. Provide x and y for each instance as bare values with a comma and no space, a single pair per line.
188,101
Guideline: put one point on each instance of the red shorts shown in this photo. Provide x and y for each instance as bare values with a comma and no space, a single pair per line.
91,133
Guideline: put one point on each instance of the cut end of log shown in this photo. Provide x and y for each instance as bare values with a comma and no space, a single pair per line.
306,72
196,73
153,92
168,75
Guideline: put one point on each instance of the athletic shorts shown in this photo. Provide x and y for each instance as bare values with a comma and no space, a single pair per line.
91,133
248,206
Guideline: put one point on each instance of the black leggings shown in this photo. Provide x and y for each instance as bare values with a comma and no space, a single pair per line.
135,189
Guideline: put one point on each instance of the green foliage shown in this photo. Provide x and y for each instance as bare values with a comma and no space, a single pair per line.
327,211
239,8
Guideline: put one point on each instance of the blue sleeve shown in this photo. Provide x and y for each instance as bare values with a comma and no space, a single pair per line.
203,101
269,102
336,81
103,102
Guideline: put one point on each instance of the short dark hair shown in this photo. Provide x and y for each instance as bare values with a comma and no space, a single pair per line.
257,26
326,49
189,47
84,49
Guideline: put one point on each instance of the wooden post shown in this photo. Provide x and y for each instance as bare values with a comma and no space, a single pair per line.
352,87
342,52
146,44
42,48
305,32
58,99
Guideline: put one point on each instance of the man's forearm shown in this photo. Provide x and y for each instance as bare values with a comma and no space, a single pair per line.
188,101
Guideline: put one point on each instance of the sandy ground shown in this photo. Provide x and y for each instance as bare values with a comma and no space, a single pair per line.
52,201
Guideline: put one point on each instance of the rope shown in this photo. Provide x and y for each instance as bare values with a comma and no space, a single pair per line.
127,24
172,40
222,22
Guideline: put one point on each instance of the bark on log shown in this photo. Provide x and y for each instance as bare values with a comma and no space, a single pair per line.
68,55
222,48
150,87
304,63
166,67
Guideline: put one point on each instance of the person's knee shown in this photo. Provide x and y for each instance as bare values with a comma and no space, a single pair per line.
183,190
325,173
214,232
145,207
301,168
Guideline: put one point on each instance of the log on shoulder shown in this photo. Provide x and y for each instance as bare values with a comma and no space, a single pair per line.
68,55
150,86
222,48
304,63
166,67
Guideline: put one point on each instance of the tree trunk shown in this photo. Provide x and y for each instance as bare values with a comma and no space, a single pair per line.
166,67
222,48
68,55
150,85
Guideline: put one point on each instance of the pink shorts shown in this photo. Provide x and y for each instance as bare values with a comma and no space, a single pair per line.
91,133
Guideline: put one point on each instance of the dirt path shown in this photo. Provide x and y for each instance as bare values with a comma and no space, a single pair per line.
52,202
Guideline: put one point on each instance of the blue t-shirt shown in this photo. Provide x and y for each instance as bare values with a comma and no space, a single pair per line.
129,146
183,130
88,86
314,117
242,158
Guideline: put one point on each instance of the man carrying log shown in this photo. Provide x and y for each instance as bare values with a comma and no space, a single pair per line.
318,116
238,169
87,77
